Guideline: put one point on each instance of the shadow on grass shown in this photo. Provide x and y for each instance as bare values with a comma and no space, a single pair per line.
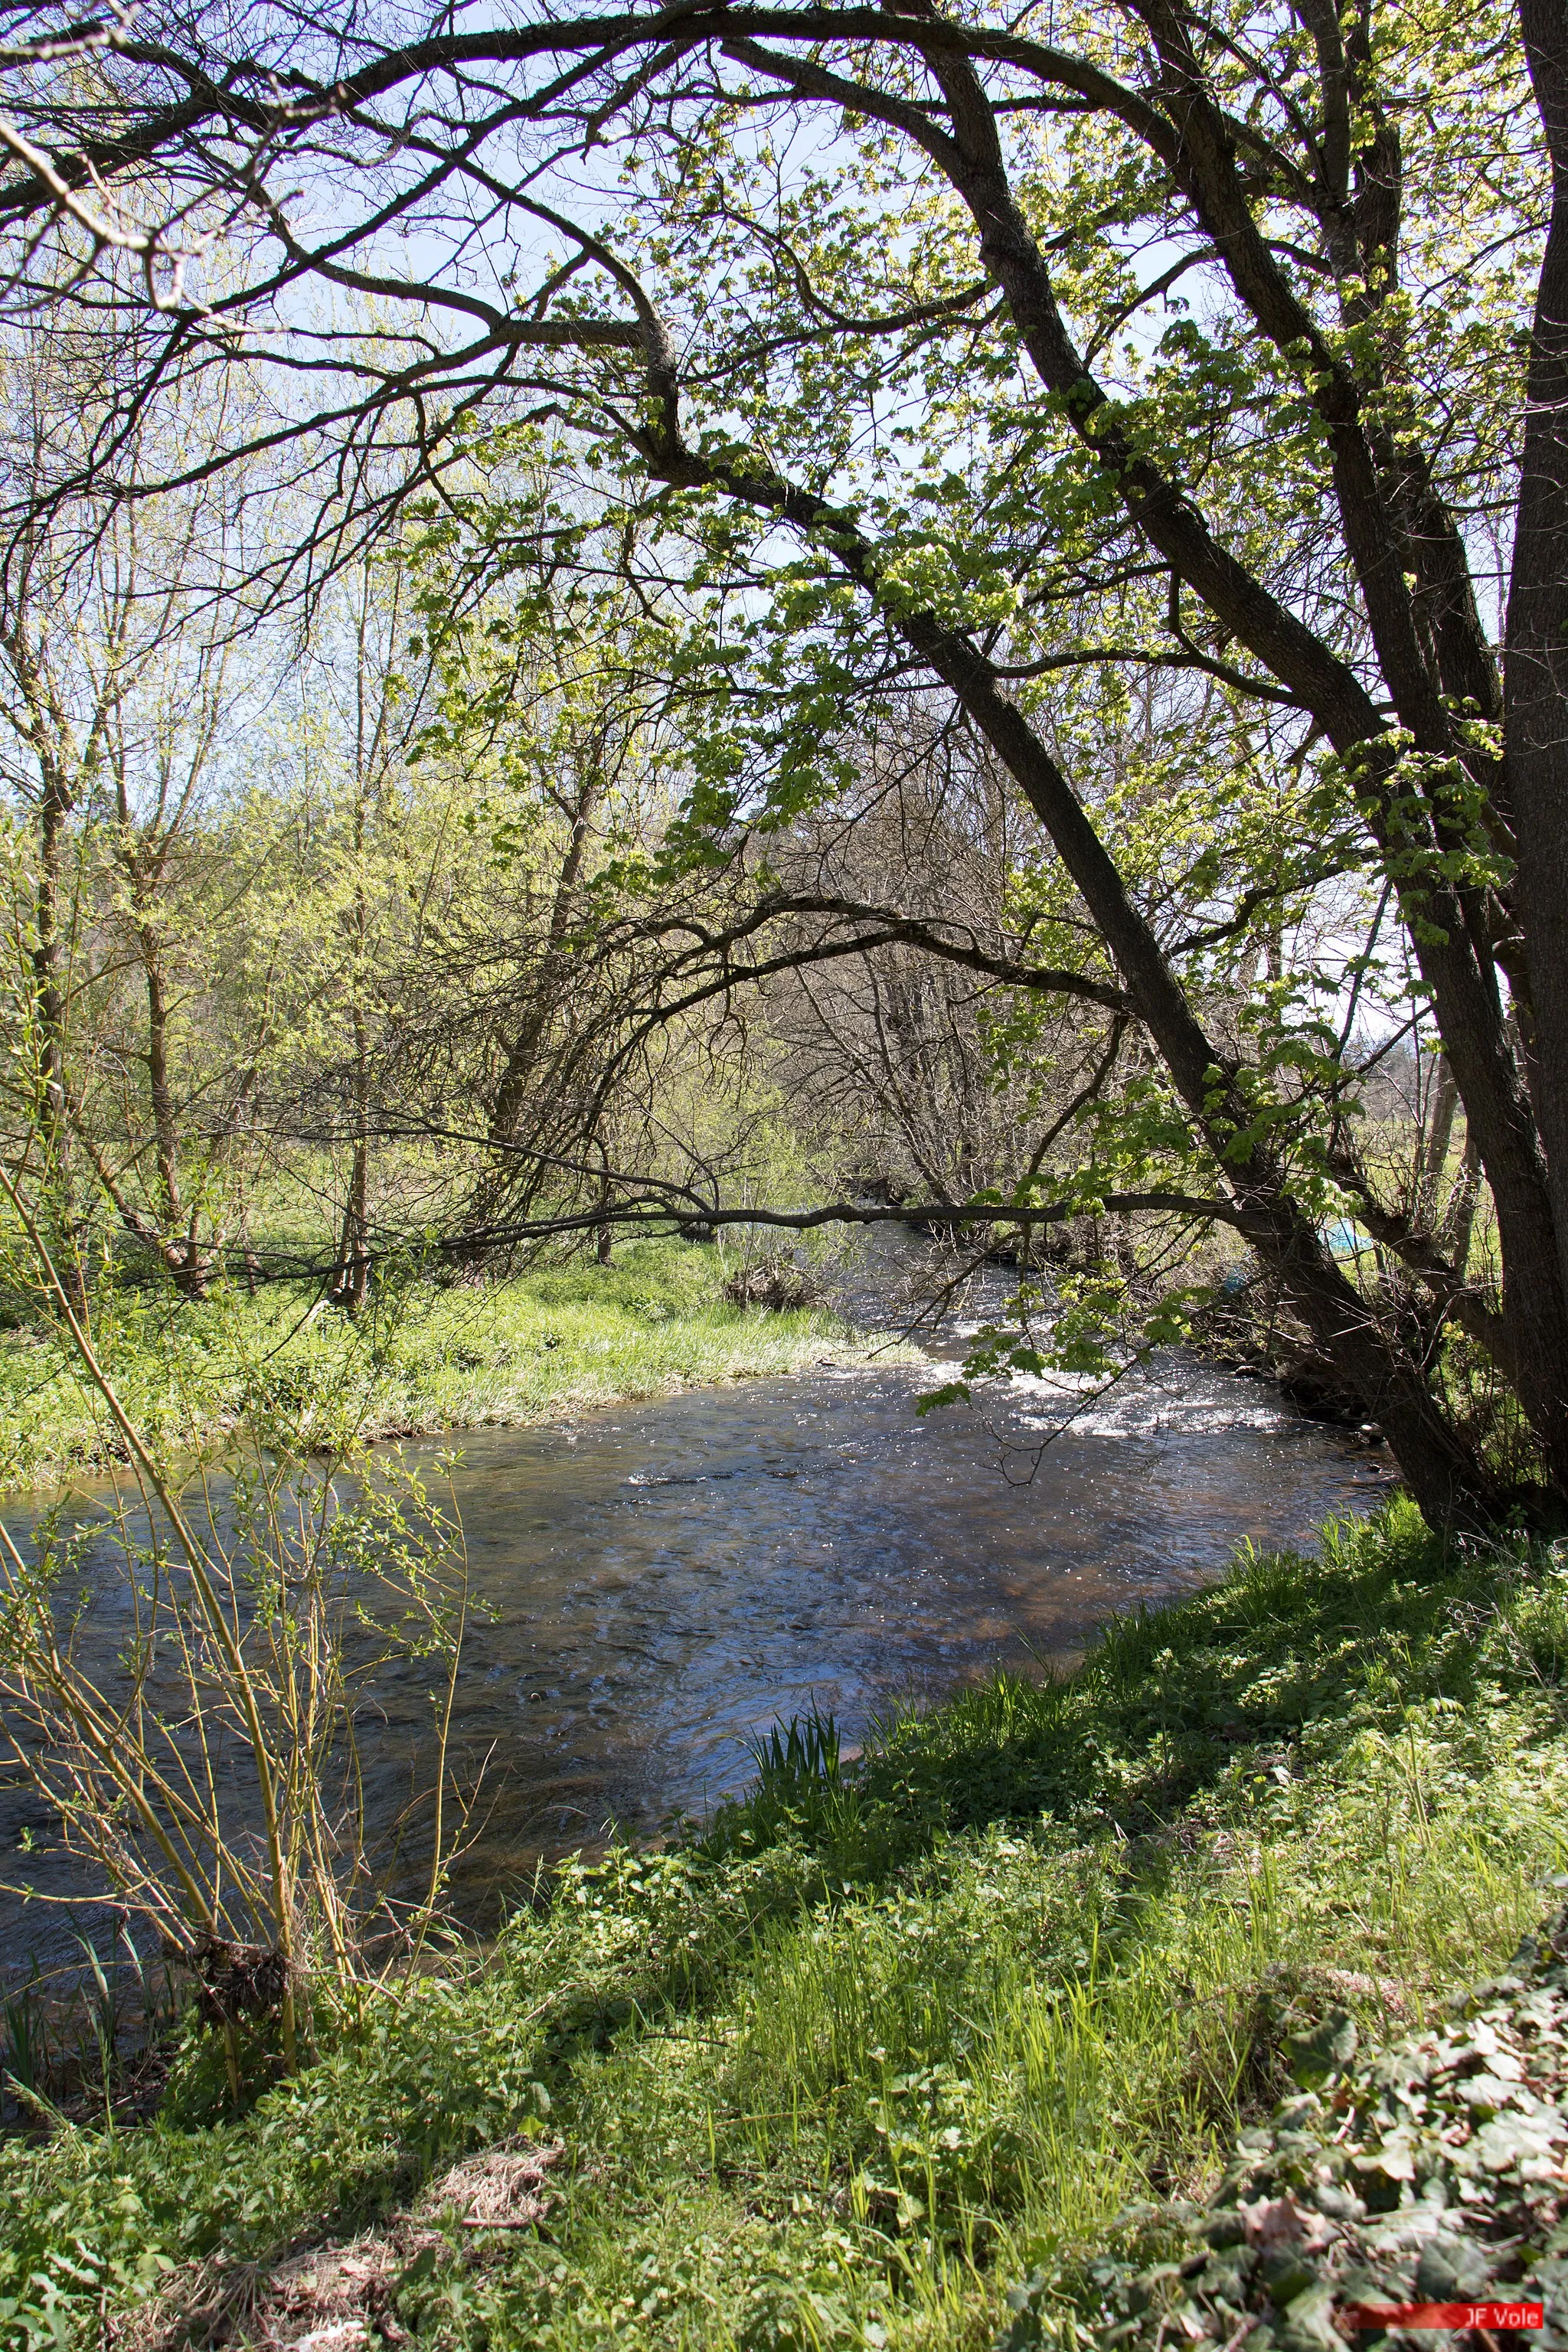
1388,1618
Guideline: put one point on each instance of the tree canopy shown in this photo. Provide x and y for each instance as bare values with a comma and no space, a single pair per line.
1169,401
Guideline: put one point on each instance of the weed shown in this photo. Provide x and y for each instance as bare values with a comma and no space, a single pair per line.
26,2060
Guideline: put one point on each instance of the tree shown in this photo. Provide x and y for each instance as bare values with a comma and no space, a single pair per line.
1110,355
545,710
377,712
114,705
912,1065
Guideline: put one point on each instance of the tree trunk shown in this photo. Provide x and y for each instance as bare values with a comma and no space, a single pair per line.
1435,1151
1537,634
64,1224
1459,1222
350,1284
180,1246
351,1277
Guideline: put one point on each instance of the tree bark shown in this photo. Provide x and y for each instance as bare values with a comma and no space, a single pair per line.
1537,634
1434,1159
65,1224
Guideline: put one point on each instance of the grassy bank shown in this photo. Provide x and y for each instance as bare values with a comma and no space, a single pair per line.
883,2039
422,1357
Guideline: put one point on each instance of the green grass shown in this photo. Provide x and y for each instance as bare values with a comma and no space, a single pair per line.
882,2039
423,1359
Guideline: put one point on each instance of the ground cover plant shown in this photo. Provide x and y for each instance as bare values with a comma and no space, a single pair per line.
423,1357
1314,2220
879,2042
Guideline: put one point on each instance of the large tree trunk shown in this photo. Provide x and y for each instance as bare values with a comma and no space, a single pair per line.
1450,1484
1447,929
1537,636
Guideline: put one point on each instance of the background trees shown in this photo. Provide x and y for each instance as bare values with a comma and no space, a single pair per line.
1174,398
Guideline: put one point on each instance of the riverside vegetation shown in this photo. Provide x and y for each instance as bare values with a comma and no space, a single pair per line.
418,1358
1313,2221
882,2040
705,619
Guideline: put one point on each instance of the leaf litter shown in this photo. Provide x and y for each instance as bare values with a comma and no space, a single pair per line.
341,2295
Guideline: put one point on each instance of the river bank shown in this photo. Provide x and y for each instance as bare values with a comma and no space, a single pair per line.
423,1359
881,2041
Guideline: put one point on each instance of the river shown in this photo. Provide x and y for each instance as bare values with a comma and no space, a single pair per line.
664,1579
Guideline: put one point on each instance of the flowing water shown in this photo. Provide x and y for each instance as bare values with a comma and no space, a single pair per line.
667,1579
672,1578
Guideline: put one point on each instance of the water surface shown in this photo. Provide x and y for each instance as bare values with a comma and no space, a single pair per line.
670,1578
665,1580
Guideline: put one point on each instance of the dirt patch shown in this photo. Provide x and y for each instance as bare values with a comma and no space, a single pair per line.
339,2295
505,2188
